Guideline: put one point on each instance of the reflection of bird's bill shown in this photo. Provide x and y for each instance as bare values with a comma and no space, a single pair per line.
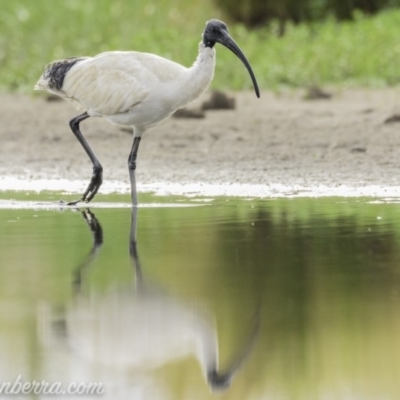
228,42
219,381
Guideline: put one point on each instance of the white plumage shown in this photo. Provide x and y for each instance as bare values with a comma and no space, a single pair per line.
134,89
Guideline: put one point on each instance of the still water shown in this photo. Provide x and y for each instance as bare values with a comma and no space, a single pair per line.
227,299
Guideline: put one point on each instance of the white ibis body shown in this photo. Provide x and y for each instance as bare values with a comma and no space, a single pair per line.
134,89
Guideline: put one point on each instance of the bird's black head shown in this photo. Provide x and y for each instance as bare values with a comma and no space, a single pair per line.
213,32
217,32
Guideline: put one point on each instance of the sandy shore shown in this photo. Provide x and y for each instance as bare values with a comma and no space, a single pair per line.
279,145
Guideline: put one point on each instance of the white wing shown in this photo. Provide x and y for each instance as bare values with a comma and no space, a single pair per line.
110,83
114,82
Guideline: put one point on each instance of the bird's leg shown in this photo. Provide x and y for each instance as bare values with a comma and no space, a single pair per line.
97,176
132,168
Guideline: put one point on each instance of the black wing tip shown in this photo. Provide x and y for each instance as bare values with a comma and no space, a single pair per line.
57,70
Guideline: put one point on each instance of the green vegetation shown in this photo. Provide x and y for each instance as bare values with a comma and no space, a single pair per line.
365,52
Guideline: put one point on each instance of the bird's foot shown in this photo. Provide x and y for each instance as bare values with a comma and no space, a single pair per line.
73,203
93,187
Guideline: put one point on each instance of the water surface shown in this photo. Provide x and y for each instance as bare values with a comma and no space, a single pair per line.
277,299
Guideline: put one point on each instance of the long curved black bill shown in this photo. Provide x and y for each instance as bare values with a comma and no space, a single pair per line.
228,42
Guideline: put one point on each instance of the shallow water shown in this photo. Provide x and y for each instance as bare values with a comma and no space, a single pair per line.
277,299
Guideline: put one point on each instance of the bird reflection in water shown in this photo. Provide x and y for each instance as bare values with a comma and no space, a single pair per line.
141,327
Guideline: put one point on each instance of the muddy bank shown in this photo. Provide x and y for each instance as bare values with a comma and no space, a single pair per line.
280,144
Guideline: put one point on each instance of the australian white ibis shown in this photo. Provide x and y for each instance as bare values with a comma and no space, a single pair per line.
134,89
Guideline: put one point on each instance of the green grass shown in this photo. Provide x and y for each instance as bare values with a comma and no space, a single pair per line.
33,33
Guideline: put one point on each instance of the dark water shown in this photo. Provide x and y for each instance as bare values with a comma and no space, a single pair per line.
279,299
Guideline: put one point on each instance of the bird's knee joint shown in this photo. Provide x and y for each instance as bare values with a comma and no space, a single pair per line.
74,124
